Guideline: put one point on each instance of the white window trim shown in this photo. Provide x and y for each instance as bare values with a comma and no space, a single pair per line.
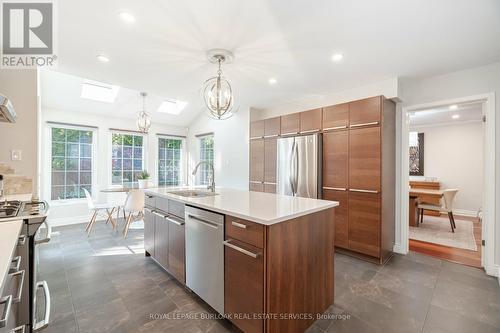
198,143
109,157
48,162
183,159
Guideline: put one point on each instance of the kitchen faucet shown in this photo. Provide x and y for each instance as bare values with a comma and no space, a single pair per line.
211,178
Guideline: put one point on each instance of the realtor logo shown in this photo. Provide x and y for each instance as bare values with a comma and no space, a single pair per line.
27,29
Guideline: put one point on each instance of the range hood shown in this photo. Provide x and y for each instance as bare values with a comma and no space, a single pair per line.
7,113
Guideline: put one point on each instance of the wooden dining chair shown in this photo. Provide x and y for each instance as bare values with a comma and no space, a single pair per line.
445,207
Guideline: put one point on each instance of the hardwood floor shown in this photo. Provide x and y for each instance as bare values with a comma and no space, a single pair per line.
459,256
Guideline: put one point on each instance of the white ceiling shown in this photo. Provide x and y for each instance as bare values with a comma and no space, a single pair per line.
62,92
443,115
163,52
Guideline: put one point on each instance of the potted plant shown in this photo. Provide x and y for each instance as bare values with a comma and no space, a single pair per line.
143,178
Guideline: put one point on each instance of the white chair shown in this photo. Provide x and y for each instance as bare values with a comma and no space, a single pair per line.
104,210
134,207
446,207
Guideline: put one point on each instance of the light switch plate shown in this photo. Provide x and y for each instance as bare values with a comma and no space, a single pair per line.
16,155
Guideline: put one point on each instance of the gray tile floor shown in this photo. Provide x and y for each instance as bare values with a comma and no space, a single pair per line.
105,284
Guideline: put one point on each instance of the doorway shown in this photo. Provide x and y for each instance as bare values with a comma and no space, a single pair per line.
479,222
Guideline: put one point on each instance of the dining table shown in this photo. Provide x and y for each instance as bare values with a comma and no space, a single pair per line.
422,195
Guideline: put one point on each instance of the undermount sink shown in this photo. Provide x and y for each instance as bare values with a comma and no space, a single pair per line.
193,193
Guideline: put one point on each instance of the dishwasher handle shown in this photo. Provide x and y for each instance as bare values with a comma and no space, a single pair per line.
203,221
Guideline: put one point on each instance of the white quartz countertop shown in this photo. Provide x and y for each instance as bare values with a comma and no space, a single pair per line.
263,208
9,235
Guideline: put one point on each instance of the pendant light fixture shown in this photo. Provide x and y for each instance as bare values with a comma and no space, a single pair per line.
217,91
143,118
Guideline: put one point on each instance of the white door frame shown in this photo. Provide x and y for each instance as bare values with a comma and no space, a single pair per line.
488,257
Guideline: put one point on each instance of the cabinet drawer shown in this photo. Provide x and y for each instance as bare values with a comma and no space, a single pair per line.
176,208
244,286
249,232
162,204
150,200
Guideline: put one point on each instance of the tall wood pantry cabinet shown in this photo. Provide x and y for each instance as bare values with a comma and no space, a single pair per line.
359,172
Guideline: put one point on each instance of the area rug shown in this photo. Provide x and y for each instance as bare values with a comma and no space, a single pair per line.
437,230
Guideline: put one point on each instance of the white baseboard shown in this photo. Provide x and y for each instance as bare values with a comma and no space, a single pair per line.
62,221
397,249
464,212
493,270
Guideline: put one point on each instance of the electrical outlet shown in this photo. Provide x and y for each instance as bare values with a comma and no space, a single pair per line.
16,155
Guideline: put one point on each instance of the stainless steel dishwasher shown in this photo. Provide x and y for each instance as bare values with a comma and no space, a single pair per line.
205,255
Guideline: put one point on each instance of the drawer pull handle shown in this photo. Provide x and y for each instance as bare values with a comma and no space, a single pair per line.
289,133
158,214
17,264
149,196
334,188
362,191
365,124
271,136
148,210
22,240
239,225
334,128
7,300
239,249
171,220
256,137
309,131
19,329
17,299
45,322
269,183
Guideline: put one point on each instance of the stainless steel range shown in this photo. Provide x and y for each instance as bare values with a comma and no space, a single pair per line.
34,214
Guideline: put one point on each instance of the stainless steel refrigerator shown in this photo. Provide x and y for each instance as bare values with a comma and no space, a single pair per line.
299,166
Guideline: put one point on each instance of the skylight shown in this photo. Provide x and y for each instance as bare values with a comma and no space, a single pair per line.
172,106
99,91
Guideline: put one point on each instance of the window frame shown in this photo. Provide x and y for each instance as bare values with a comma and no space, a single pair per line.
48,161
109,157
204,167
182,159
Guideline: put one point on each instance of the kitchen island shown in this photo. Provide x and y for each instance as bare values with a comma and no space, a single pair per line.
266,263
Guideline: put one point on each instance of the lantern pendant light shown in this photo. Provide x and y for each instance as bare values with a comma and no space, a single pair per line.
143,118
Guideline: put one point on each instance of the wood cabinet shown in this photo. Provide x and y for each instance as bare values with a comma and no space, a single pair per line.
272,127
256,186
257,129
244,287
364,223
270,188
270,160
176,249
365,112
164,235
257,160
335,117
161,241
290,124
249,232
365,158
341,216
149,232
336,159
310,121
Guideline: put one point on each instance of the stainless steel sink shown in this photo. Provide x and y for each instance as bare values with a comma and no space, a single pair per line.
193,193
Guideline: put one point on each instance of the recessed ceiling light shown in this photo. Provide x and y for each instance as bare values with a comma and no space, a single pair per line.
453,107
455,116
337,57
272,81
99,91
102,58
172,106
127,17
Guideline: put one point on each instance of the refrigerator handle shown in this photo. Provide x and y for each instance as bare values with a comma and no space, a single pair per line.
296,169
292,169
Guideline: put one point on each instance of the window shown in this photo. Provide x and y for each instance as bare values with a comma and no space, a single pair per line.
206,155
71,163
169,161
126,158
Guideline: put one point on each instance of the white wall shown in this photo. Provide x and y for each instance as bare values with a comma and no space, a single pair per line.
453,153
230,148
20,86
474,81
387,88
77,210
